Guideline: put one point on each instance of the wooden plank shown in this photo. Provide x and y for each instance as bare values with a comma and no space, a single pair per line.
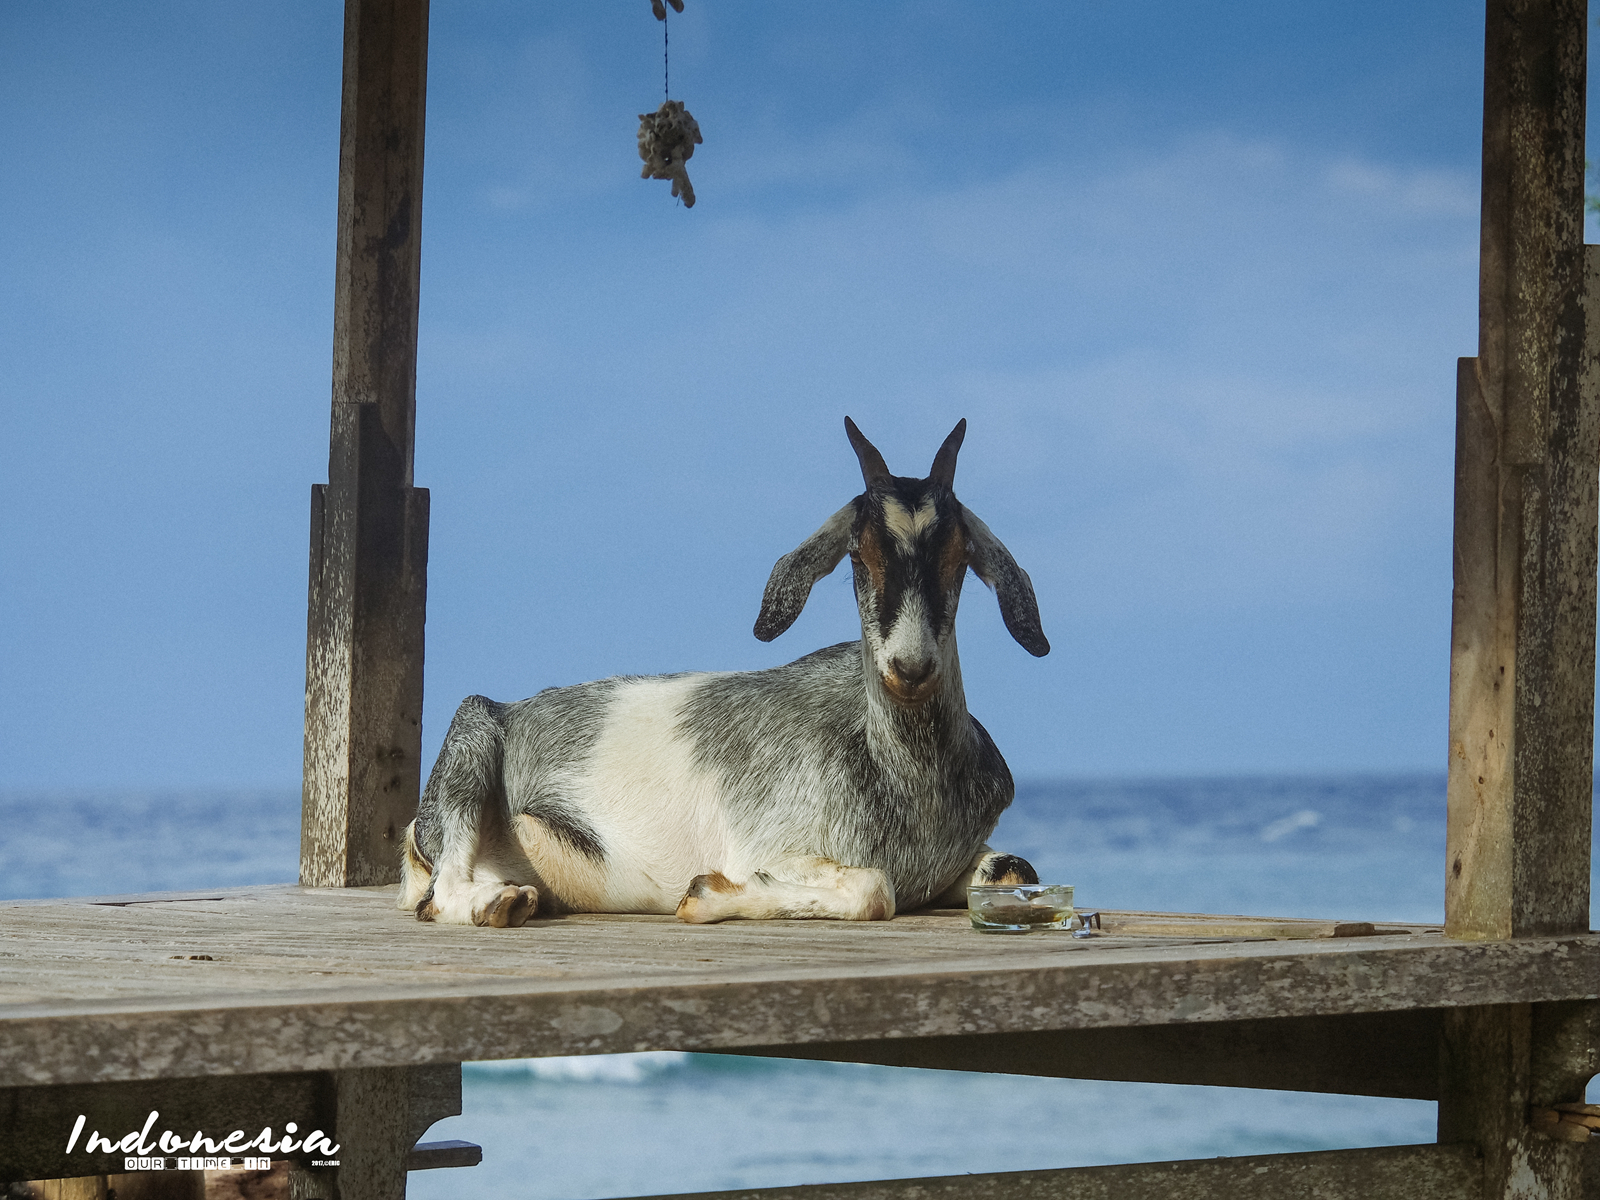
1367,1054
1145,923
1384,1173
122,900
313,979
285,940
89,1188
1154,924
258,938
369,525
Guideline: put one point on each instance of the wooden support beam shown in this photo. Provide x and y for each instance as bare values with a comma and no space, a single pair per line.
369,525
1523,615
1366,1054
1527,452
1493,1068
431,1156
1385,1173
36,1122
379,1113
373,1116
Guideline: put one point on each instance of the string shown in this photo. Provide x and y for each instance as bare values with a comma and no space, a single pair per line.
666,70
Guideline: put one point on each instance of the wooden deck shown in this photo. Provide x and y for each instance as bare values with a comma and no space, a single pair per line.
291,979
240,1008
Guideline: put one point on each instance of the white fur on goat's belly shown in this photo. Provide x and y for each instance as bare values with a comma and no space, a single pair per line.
654,810
847,784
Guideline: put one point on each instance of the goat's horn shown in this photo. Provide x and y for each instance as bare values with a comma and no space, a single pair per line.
873,468
944,463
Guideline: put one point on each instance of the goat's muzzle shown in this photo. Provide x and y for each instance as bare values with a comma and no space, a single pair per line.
911,683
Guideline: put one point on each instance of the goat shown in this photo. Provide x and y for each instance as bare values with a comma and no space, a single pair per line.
845,785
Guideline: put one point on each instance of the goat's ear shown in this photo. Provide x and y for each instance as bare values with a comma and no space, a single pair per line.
1012,587
791,580
873,468
943,471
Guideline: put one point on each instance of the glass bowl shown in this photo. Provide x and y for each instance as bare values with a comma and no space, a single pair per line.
1018,908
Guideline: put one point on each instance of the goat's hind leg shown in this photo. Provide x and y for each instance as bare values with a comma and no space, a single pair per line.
416,871
794,888
485,889
479,875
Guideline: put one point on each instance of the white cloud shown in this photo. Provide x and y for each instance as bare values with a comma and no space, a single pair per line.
1416,190
1214,372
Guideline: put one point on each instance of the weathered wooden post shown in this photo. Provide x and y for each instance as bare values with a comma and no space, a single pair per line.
1523,620
369,525
369,549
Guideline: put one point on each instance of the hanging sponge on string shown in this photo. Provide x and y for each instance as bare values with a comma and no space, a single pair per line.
667,138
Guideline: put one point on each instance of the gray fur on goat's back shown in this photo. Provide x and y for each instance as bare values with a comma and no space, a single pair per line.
798,776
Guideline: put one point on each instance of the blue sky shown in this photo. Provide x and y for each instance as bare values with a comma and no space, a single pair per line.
1197,276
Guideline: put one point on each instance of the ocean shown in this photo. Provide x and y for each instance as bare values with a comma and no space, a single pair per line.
1354,847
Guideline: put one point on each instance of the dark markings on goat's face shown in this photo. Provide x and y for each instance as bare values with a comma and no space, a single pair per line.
954,558
909,557
869,554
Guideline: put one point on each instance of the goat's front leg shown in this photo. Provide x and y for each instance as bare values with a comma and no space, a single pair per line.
987,867
792,889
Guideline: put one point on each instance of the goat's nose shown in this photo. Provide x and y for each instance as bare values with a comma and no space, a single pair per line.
911,674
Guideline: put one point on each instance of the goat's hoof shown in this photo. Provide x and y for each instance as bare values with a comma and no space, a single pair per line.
509,908
699,903
694,912
878,908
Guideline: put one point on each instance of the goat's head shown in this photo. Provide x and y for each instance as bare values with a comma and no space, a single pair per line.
910,542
